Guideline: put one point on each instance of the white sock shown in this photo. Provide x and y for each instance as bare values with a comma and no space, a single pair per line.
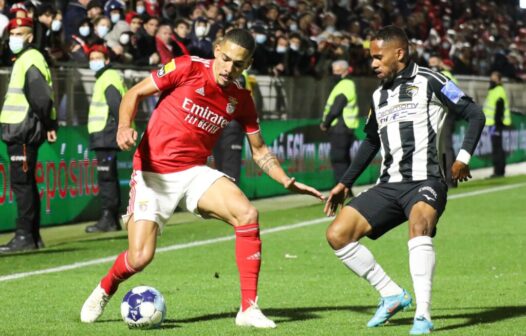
422,267
361,261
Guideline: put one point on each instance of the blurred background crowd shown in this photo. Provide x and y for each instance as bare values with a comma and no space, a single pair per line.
294,37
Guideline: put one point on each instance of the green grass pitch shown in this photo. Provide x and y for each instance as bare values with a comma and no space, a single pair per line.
479,287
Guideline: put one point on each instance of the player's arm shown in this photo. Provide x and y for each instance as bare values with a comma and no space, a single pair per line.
460,104
365,154
126,135
268,162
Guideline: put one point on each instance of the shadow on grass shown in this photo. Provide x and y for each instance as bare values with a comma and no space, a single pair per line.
282,315
38,252
480,315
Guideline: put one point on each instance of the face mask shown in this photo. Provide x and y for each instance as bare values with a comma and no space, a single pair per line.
96,65
281,49
292,3
293,27
435,68
115,18
56,25
261,38
153,2
294,47
140,9
16,44
124,39
229,17
84,31
200,31
102,31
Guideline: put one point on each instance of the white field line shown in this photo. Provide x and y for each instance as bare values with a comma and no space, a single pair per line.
221,239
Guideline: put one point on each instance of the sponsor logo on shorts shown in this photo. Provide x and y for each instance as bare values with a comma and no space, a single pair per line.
143,205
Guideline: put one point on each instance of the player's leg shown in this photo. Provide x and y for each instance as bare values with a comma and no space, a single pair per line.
429,203
225,201
142,239
344,233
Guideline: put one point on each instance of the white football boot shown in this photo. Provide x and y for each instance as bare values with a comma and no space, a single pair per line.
94,305
253,317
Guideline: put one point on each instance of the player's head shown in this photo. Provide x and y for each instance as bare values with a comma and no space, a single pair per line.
233,54
390,52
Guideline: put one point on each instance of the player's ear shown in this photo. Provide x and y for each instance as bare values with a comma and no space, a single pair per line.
249,63
400,54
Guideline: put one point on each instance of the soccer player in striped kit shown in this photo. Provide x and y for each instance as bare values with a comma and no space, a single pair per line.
405,121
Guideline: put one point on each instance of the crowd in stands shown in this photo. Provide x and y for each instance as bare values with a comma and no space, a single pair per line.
294,37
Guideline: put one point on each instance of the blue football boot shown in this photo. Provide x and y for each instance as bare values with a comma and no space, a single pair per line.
421,326
389,306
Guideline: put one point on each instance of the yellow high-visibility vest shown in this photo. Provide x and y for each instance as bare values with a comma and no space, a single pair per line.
490,105
99,109
16,105
350,112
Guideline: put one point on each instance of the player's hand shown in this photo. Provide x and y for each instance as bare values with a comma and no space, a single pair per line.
126,137
52,136
336,198
460,171
301,188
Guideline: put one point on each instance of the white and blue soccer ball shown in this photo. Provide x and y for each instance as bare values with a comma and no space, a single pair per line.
143,307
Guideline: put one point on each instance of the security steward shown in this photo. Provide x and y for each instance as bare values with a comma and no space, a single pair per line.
340,118
103,119
228,149
498,117
27,119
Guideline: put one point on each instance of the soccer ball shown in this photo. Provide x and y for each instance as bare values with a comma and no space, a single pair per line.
143,308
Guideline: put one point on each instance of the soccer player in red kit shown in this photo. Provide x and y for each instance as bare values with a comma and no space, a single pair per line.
199,98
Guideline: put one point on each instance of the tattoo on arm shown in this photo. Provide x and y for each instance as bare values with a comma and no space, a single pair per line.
267,162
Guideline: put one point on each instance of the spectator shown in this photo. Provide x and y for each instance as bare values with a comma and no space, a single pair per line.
201,44
146,53
163,40
81,40
94,9
180,38
297,60
41,30
114,9
263,52
135,21
57,50
75,13
4,21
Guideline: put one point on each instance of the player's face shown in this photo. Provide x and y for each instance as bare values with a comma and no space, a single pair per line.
230,61
386,57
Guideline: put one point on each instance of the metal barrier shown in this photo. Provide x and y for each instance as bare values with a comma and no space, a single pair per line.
276,98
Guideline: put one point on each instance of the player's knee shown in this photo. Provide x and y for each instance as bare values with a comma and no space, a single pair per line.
339,234
249,215
139,259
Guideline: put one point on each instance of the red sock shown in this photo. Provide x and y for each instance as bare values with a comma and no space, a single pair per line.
248,258
119,272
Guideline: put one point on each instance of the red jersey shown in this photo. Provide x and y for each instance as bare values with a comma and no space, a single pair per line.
190,116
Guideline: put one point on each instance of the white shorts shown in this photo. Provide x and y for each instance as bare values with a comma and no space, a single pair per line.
155,196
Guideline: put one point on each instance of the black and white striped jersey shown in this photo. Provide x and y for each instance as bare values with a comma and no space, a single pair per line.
406,116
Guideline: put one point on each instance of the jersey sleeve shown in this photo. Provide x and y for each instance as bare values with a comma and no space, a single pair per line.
248,117
172,74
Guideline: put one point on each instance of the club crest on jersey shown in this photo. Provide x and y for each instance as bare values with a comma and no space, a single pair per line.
167,68
231,106
411,90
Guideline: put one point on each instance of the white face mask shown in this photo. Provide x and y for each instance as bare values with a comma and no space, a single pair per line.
294,47
281,49
96,65
102,31
140,9
261,38
124,39
84,31
200,31
292,3
293,27
115,18
56,25
16,44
